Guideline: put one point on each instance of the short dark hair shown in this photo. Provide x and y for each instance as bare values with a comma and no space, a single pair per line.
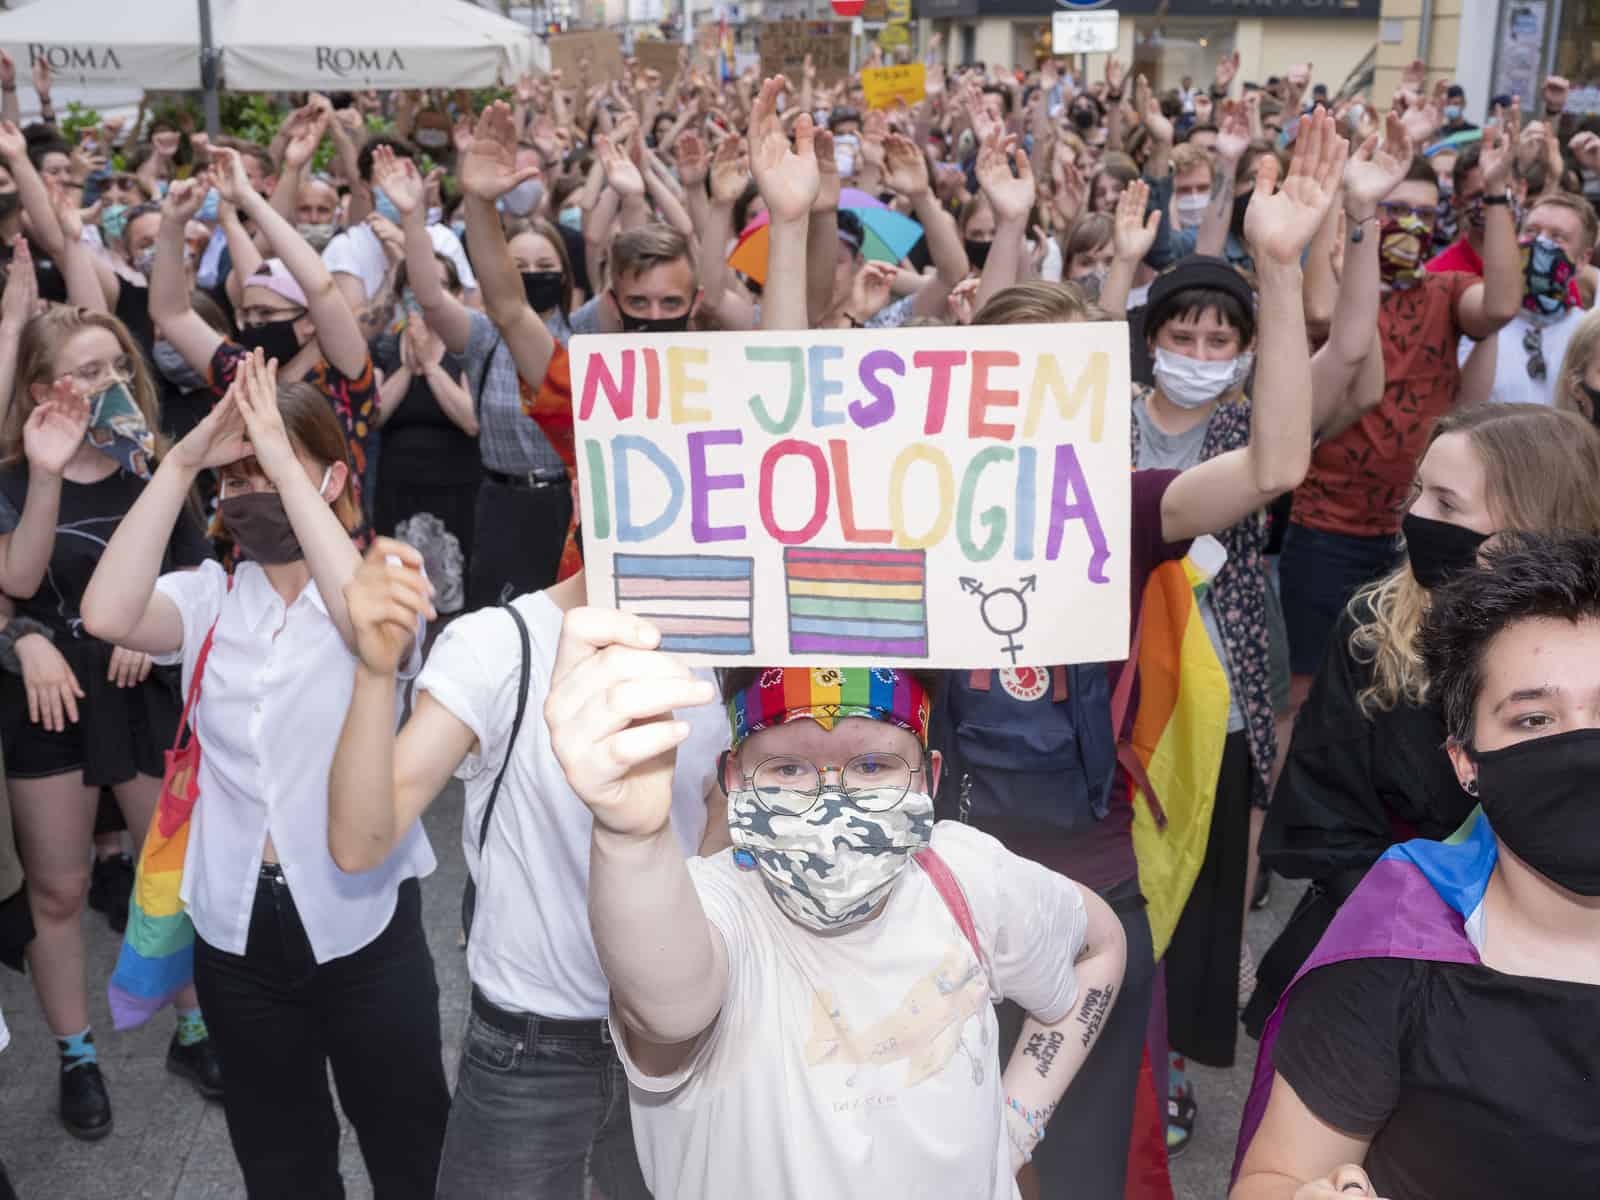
1007,100
1523,577
1466,163
1421,171
401,148
1200,127
1192,302
37,150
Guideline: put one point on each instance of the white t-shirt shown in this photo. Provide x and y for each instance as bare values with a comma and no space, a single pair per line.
1512,383
861,1065
358,252
531,949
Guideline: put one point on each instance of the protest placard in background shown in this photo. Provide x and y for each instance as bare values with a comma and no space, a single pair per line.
886,85
602,47
660,56
942,497
785,44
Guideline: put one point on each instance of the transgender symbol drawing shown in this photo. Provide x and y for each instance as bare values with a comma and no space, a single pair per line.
1004,610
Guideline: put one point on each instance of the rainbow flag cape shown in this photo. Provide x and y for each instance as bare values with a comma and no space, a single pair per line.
157,955
1178,736
1422,900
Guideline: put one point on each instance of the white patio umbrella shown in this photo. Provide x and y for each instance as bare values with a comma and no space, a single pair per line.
269,45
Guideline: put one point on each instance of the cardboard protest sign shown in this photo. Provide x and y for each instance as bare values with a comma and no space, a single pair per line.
601,46
886,85
938,497
785,44
658,56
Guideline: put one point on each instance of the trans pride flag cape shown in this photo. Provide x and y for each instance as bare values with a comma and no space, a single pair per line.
157,955
1422,900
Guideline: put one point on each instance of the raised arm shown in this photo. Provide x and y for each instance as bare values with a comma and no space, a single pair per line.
10,110
1279,224
822,231
729,173
1011,196
611,725
1233,139
16,310
52,435
338,332
401,182
305,128
1132,235
488,172
789,181
170,306
242,249
31,192
1484,307
626,180
906,171
77,265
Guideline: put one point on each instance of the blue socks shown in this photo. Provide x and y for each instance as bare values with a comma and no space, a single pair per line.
191,1027
77,1050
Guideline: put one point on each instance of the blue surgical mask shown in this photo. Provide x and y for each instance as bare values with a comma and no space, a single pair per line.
572,218
113,220
385,206
1452,112
209,210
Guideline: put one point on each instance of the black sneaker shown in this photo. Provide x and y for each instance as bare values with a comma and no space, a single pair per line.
111,889
85,1106
1263,892
196,1062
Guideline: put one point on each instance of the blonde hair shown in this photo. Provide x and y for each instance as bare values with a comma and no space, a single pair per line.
42,338
1035,303
1186,156
1568,391
1539,467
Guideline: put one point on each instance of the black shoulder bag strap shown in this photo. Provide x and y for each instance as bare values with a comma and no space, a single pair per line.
469,897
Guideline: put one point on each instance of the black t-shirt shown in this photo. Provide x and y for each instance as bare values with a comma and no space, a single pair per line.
89,515
1469,1082
419,441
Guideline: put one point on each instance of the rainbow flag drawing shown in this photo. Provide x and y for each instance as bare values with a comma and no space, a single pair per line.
700,602
857,602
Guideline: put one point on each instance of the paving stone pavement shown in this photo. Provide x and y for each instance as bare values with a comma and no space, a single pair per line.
169,1144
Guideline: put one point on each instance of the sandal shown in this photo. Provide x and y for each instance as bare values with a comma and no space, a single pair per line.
1181,1114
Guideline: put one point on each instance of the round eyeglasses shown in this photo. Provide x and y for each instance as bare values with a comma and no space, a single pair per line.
873,782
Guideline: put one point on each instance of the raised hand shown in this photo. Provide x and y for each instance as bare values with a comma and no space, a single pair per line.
1498,151
905,166
694,159
1555,91
963,302
1156,121
789,179
489,169
609,713
128,668
386,597
1233,133
730,172
87,158
1132,233
397,176
1414,75
622,173
13,146
1422,119
1376,169
219,439
184,198
1227,68
53,690
55,429
228,177
22,286
1280,222
427,347
1010,195
830,184
66,210
1071,188
8,70
1585,148
1300,76
307,128
257,399
41,77
872,288
1114,73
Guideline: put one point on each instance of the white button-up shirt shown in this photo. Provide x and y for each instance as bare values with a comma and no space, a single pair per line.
272,704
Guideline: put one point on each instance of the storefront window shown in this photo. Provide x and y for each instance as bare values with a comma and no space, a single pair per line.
1165,51
1578,53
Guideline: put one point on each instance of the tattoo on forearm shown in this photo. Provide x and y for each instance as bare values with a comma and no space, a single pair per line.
1093,1012
1042,1048
1222,193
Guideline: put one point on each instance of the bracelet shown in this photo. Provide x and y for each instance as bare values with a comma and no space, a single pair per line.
1035,1117
1113,96
1502,198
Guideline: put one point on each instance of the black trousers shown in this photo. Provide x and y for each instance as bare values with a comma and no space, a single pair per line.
278,1019
520,532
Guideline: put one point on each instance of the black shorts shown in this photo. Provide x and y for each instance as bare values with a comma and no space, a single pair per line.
120,732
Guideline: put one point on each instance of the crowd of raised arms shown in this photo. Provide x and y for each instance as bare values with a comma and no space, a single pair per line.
290,538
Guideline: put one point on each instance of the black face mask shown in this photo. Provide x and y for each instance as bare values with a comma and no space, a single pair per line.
543,289
1240,203
1084,118
259,525
1539,798
649,324
277,338
1438,549
978,252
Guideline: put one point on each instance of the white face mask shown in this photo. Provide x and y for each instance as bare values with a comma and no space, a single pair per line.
523,199
830,867
1192,210
1194,383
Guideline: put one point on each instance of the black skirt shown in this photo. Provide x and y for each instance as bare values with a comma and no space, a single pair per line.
1203,956
120,732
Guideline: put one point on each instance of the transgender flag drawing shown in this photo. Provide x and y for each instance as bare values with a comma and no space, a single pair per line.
700,602
857,602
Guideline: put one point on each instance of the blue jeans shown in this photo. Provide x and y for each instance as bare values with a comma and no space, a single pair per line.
1318,574
530,1111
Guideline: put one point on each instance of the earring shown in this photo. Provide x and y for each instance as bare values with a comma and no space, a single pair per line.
1471,786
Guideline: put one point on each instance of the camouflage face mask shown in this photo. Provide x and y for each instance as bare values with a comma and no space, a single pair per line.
831,866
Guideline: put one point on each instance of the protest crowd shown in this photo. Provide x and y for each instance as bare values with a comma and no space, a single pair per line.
292,535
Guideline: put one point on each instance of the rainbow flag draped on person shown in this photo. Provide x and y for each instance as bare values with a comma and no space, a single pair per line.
157,955
1423,900
1178,737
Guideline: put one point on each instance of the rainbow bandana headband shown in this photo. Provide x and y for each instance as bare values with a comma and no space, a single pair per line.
825,694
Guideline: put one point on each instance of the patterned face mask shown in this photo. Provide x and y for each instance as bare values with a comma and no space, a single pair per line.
1546,278
1403,251
831,866
117,428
